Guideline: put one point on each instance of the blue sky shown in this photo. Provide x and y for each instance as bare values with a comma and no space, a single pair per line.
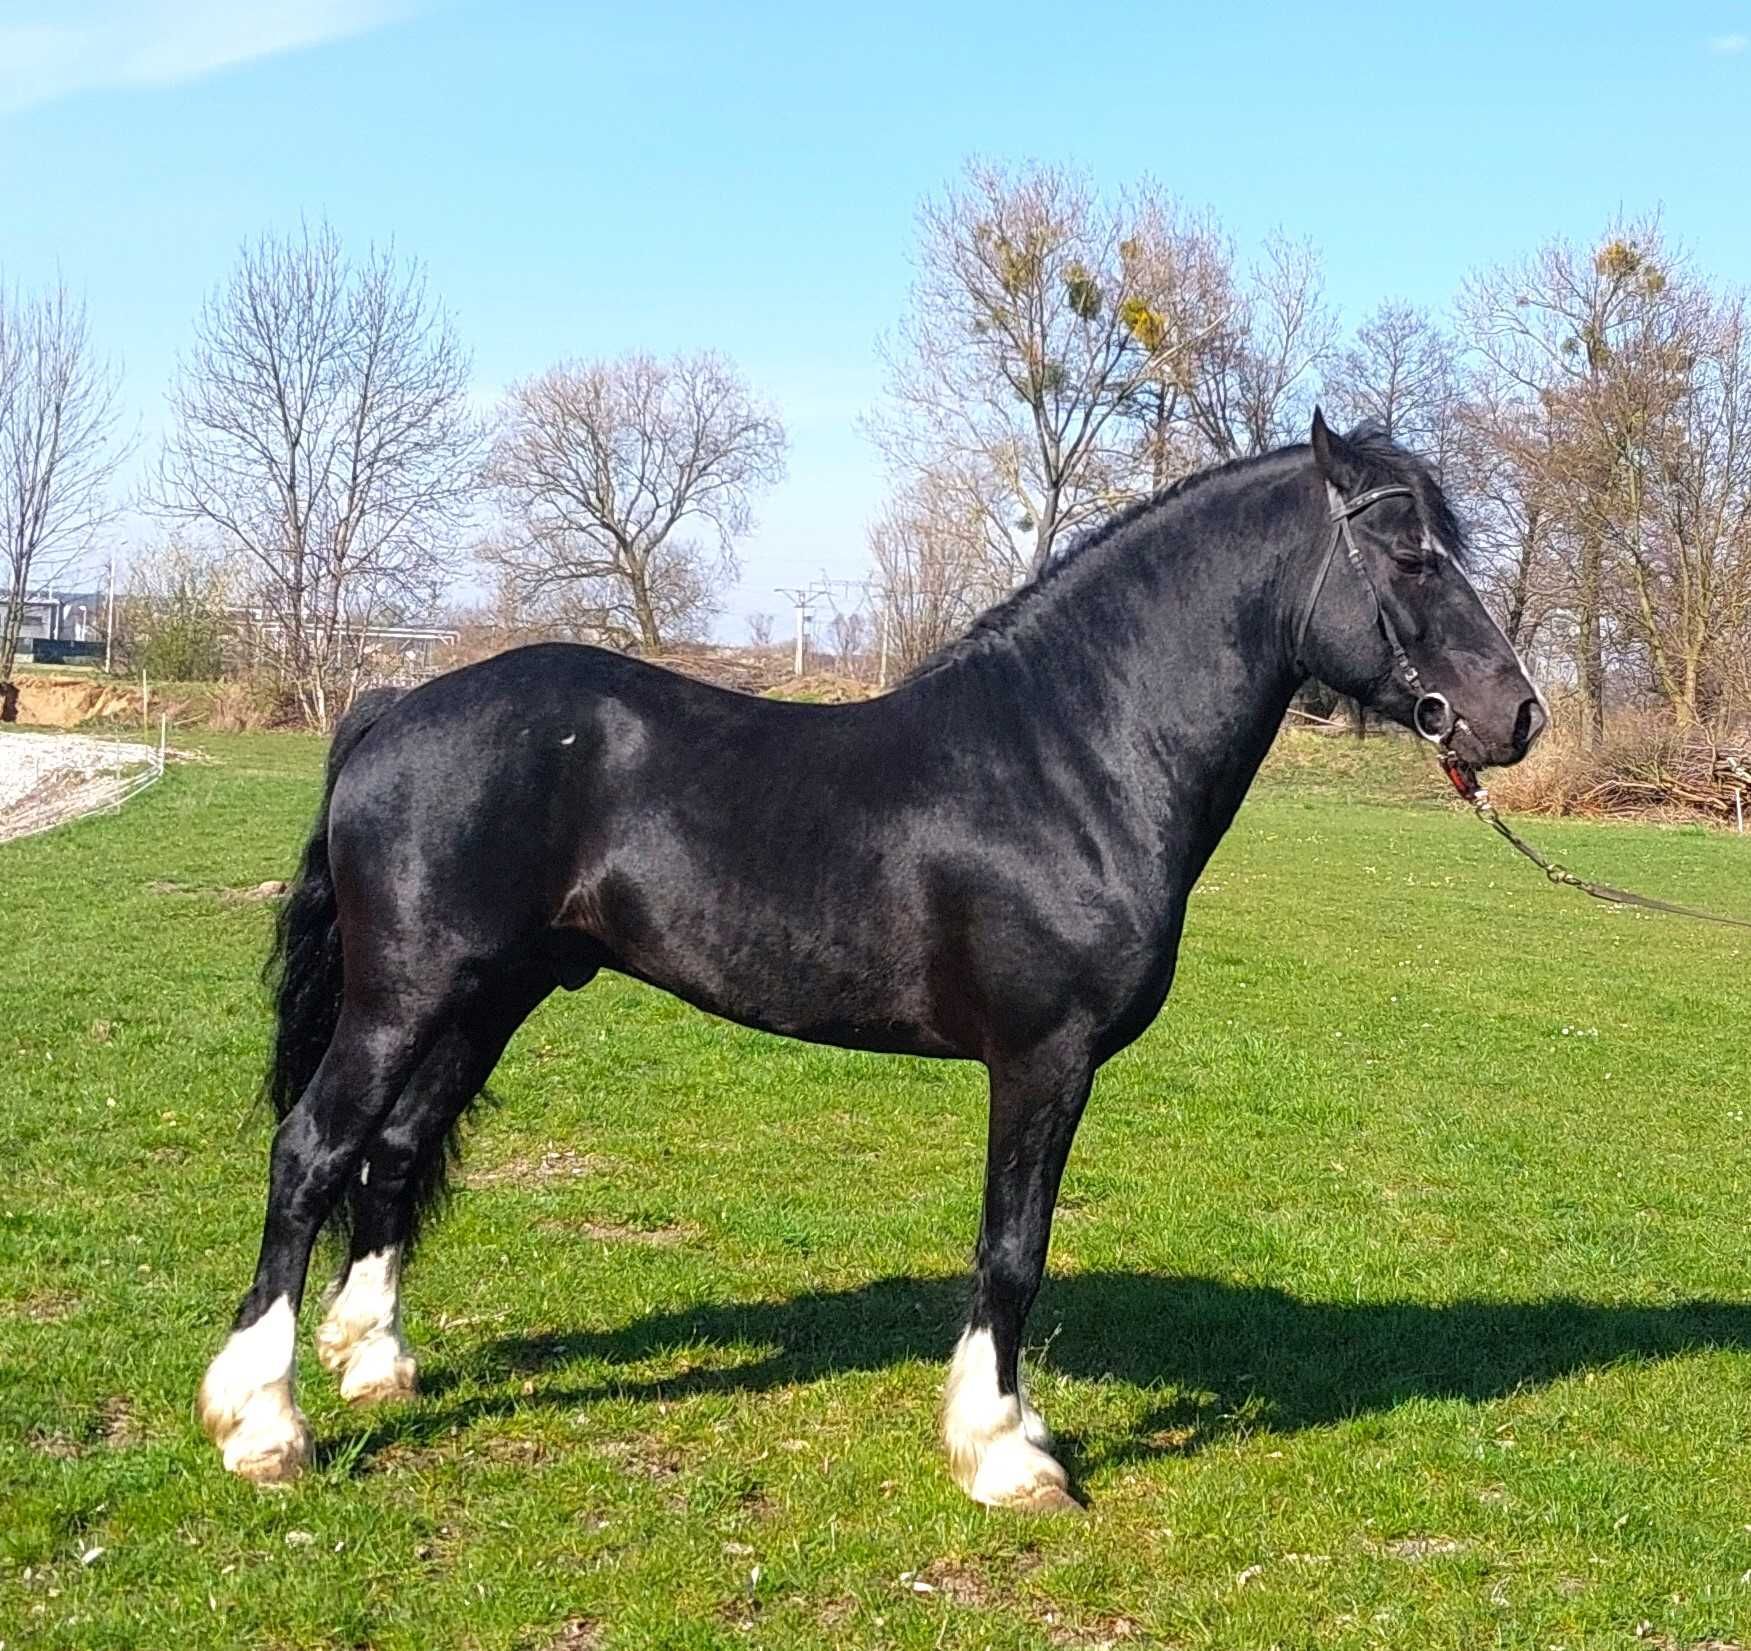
585,179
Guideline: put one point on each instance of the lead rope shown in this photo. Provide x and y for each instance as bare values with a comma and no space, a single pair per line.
1479,798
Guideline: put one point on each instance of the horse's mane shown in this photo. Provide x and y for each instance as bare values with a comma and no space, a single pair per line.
1384,462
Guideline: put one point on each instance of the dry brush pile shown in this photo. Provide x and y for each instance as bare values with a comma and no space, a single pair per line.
1644,768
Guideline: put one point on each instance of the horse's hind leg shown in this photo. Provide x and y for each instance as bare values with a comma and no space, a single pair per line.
401,1175
996,1442
246,1401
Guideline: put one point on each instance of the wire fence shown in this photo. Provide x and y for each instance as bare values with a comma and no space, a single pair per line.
49,780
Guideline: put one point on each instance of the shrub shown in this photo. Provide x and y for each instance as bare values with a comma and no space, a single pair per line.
1647,766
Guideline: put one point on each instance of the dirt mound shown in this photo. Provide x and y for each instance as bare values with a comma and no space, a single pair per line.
66,702
823,688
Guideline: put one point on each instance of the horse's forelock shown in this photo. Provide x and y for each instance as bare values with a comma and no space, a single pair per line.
1388,463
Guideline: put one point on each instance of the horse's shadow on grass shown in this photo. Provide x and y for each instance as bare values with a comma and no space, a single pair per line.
1229,1356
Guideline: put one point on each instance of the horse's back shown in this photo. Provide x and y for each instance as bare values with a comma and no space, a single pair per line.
698,837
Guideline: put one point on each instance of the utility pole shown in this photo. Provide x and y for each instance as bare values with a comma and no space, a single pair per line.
887,626
803,600
109,624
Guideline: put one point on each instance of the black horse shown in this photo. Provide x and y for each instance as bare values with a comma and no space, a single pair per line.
989,863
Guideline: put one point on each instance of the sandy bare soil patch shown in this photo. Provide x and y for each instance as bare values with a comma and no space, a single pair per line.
48,778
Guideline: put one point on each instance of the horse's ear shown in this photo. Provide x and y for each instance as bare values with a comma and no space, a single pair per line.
1336,459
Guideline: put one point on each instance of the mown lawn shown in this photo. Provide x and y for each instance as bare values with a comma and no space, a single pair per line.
1399,1296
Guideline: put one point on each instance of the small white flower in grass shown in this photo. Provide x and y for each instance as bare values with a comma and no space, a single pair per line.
1247,1575
299,1539
92,1555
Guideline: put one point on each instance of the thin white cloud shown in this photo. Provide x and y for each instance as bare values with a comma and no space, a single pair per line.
81,45
1728,45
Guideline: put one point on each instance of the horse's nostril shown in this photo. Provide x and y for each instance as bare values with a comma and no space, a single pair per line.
1529,724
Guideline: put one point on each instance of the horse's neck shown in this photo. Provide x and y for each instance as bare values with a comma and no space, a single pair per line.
1181,669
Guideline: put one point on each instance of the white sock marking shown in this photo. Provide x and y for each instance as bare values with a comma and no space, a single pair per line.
246,1402
993,1452
360,1335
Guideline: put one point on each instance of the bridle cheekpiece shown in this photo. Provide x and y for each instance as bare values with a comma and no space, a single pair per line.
1433,716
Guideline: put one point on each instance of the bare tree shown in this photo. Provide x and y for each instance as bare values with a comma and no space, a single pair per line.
1401,373
1183,289
597,466
1683,526
322,430
1500,476
932,568
848,634
1249,385
1569,332
760,629
58,453
1021,349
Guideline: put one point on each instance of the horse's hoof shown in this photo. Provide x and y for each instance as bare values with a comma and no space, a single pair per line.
1044,1499
1013,1472
378,1370
277,1462
267,1444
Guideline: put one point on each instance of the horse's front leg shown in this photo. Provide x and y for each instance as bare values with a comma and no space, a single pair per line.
997,1444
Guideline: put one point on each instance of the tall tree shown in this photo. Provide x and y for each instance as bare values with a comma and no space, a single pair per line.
1020,352
1500,474
1400,372
1569,330
599,468
1683,529
58,453
1250,383
1184,290
322,430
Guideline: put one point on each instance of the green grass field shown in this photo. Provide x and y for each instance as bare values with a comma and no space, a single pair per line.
1399,1295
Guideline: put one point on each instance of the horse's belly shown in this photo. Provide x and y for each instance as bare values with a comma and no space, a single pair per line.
795,1008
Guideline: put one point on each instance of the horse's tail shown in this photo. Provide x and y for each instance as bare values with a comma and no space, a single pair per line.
303,969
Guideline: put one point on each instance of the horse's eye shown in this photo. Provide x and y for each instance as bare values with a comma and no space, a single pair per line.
1411,558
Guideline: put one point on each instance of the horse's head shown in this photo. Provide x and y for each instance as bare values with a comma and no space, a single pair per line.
1389,616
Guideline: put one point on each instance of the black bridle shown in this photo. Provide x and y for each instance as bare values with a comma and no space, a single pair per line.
1440,734
1433,716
